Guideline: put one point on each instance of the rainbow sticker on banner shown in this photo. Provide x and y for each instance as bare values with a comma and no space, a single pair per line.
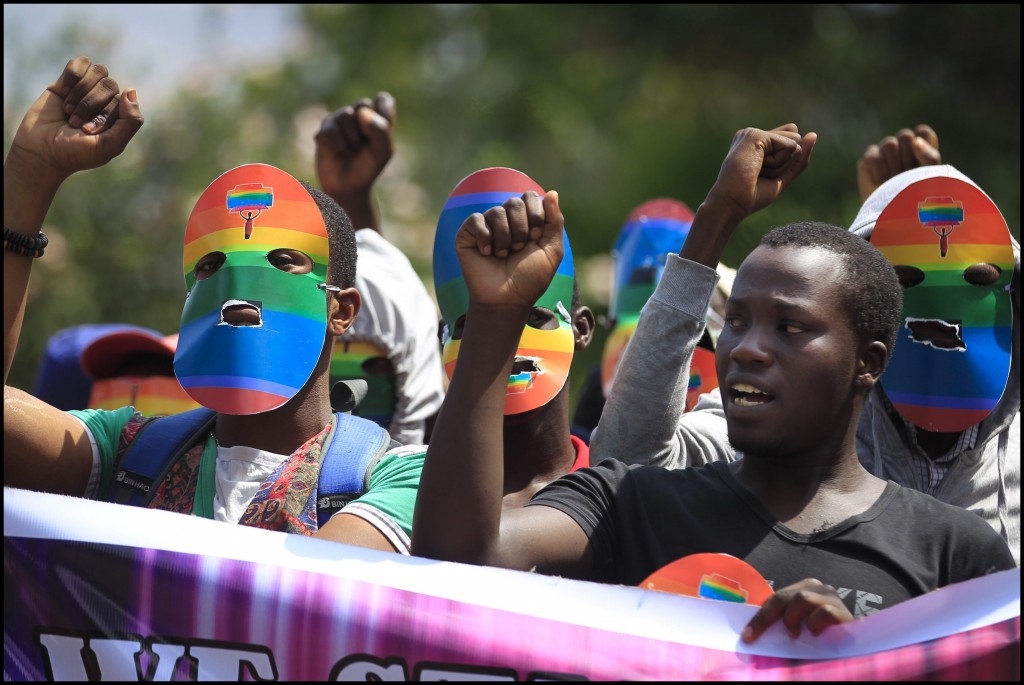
150,395
361,359
543,357
953,355
247,369
711,576
652,230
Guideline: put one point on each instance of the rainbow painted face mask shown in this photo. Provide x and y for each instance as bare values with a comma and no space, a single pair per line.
652,230
150,395
361,359
544,354
952,251
246,214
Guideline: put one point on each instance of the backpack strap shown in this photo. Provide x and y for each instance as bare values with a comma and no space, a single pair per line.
356,445
159,443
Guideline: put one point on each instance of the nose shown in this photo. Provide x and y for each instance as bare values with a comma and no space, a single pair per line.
750,347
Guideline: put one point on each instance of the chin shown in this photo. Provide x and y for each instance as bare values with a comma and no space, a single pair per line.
750,444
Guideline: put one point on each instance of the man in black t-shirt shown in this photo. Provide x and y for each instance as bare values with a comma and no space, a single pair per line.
809,326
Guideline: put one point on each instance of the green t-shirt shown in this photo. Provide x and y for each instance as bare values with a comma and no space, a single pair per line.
393,483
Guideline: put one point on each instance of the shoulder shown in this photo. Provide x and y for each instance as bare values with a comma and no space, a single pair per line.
961,526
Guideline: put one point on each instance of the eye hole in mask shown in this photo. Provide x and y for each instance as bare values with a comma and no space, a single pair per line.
982,274
542,319
290,261
209,264
909,276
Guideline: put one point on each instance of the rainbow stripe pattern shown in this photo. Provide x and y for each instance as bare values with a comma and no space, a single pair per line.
251,369
553,349
940,211
940,389
717,586
250,197
150,395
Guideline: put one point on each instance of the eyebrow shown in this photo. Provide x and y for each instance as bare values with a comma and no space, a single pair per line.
780,305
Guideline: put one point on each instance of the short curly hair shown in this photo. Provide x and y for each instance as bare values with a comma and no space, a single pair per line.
341,239
870,289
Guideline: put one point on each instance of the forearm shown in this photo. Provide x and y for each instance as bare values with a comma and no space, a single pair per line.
713,226
360,208
27,198
640,423
458,508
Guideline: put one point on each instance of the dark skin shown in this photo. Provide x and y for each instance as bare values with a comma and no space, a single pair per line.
895,154
353,145
888,158
536,444
819,480
82,121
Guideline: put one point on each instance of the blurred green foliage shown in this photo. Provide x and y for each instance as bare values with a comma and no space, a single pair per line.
609,104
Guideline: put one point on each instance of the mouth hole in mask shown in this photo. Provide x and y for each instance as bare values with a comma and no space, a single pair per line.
525,365
241,313
942,335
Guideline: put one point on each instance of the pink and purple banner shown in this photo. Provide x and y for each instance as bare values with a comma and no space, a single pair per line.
95,591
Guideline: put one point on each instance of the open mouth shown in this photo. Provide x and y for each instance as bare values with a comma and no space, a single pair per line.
744,395
241,313
942,335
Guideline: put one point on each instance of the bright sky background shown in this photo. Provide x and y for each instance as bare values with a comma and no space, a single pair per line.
153,47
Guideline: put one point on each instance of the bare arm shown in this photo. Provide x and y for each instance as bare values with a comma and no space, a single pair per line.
81,121
459,515
353,145
354,530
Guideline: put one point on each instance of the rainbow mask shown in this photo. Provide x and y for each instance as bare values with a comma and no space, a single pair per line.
952,357
543,356
247,213
652,230
361,359
150,395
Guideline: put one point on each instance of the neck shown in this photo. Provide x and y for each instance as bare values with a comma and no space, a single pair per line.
936,444
285,429
537,448
814,488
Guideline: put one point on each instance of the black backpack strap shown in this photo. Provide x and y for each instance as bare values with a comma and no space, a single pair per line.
160,442
356,445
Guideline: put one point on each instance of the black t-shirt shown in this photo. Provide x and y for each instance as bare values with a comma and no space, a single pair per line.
640,518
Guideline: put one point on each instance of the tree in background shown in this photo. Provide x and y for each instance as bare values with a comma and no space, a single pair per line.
608,104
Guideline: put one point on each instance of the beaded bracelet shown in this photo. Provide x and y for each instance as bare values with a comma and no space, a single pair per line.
26,246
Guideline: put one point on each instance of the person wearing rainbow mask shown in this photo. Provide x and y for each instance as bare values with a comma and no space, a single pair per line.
652,230
538,445
135,367
810,322
269,264
945,418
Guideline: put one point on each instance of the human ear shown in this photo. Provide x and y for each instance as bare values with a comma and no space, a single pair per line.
583,325
342,307
870,364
